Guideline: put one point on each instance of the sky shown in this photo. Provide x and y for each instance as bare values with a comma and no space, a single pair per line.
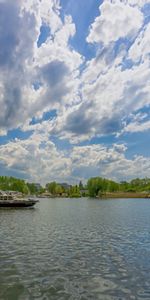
74,89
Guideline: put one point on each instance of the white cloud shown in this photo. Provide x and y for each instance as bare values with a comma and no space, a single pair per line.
140,49
97,160
53,67
110,89
91,100
117,20
139,3
39,160
91,104
106,102
137,127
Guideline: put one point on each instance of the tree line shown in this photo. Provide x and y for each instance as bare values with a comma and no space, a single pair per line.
18,185
95,186
98,186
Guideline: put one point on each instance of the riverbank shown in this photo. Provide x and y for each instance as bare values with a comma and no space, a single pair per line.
107,195
124,195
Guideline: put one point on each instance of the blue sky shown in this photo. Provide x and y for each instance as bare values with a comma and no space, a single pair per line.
75,89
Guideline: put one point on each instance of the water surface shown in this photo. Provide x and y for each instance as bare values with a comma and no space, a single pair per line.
70,249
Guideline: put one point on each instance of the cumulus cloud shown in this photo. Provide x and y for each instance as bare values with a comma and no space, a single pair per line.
34,79
92,98
117,20
109,162
116,82
40,158
139,3
137,127
36,158
13,55
140,49
106,102
92,102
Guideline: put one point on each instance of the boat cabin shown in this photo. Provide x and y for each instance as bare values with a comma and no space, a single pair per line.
4,195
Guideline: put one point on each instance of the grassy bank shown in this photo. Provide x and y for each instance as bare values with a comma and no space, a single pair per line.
125,195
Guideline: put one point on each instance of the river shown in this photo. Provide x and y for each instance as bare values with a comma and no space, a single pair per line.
70,249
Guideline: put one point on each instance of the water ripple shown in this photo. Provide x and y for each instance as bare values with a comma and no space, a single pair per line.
76,249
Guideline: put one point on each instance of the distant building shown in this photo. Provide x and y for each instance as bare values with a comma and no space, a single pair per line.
37,186
84,192
65,185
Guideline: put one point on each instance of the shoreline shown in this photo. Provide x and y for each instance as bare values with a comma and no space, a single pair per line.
107,195
125,195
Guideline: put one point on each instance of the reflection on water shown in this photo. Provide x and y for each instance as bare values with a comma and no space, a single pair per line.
76,249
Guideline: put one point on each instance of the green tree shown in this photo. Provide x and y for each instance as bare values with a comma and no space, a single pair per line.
13,184
81,187
32,188
74,192
95,186
58,190
51,187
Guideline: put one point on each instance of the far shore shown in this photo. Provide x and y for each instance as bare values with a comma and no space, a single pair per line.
107,195
124,195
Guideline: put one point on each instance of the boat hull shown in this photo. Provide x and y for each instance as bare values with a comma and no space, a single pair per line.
18,203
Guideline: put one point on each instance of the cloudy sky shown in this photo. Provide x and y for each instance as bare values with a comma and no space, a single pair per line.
74,89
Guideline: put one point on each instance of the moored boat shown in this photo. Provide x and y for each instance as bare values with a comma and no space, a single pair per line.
9,200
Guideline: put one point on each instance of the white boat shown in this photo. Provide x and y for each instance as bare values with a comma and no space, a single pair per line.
7,199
